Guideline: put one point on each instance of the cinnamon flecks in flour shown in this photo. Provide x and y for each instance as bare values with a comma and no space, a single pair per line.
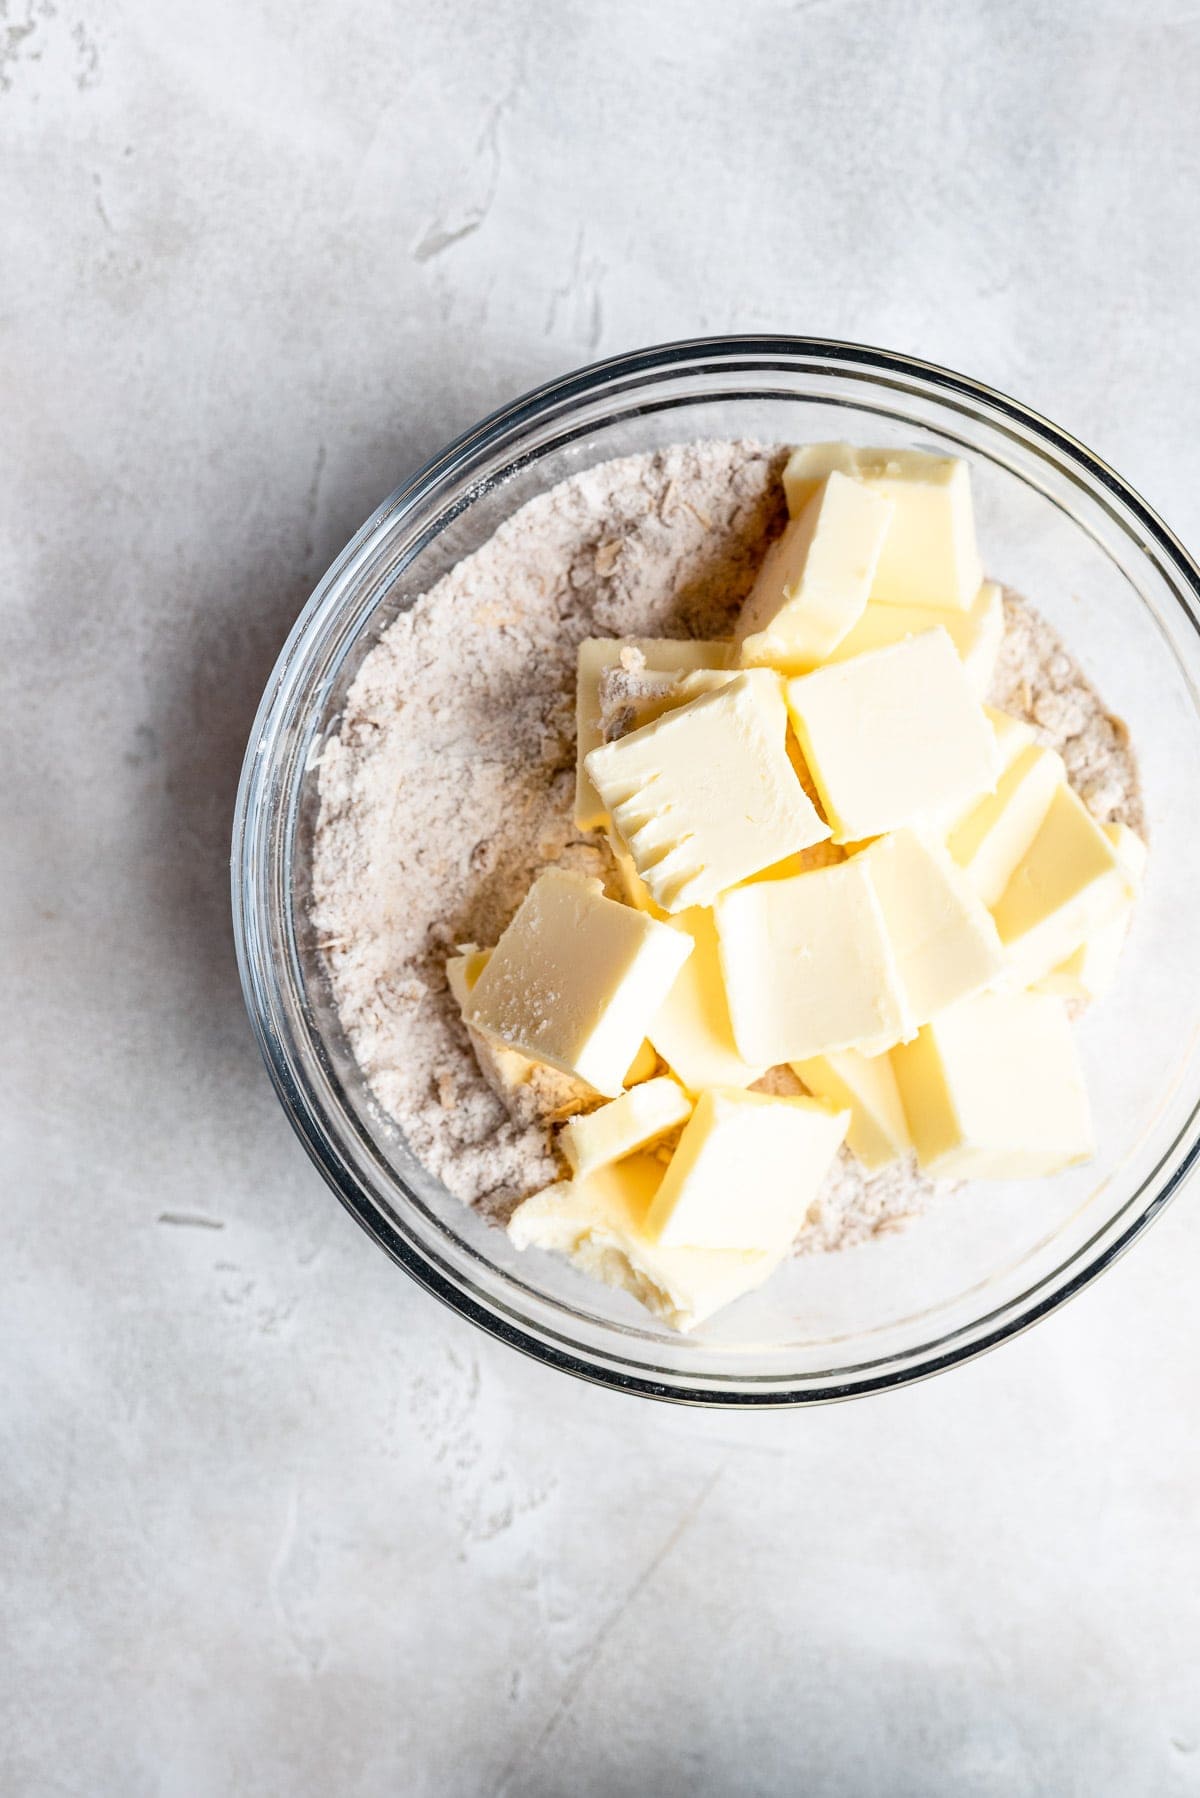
450,783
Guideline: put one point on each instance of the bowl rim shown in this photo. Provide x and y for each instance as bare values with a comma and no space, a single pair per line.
547,397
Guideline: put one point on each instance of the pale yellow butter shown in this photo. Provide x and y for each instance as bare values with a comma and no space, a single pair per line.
529,1089
661,655
929,555
599,1224
576,978
893,737
865,1086
814,581
808,965
812,463
1132,851
942,937
623,708
993,1090
1068,883
644,1065
1090,972
976,633
464,969
1012,736
691,1029
707,794
553,1094
638,1118
993,837
632,884
800,863
747,1168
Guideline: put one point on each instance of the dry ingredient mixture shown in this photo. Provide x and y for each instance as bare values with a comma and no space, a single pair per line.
450,785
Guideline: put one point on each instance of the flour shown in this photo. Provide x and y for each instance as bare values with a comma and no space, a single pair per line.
1037,680
450,784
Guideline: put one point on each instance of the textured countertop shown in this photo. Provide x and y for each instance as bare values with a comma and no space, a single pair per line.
272,1521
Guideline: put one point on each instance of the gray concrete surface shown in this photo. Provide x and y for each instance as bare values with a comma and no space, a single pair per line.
271,1521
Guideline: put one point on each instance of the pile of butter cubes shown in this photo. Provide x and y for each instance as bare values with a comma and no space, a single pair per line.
837,858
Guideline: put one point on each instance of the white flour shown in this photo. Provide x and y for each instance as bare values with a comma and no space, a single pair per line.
451,782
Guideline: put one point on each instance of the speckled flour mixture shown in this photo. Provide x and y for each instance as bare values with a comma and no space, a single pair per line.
450,785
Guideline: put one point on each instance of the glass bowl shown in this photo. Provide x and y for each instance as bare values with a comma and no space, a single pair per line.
1055,523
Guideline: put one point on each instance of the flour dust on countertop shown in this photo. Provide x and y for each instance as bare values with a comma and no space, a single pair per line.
450,783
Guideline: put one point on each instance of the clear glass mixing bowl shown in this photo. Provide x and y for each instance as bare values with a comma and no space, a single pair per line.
1055,523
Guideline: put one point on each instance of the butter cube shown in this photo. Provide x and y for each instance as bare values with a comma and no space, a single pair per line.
1068,883
576,978
1090,972
993,1090
1130,850
865,1086
1012,736
638,1118
532,1091
691,1029
464,969
812,463
644,1066
821,855
893,737
628,701
660,654
942,937
632,885
814,581
747,1168
599,1224
976,633
929,555
809,966
707,794
994,836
